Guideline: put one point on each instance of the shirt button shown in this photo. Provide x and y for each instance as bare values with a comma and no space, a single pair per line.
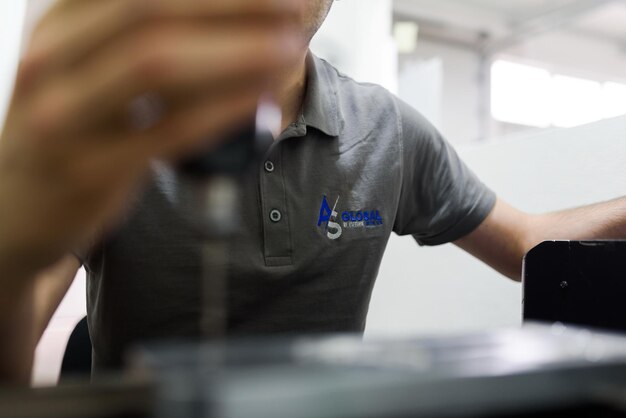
269,167
276,216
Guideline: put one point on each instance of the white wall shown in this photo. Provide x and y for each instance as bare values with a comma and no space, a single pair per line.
443,290
421,86
356,38
460,93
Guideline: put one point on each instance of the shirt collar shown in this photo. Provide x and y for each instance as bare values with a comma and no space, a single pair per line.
321,105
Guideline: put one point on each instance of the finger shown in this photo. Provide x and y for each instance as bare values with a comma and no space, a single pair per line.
202,125
204,8
74,28
199,125
158,61
146,111
226,9
67,33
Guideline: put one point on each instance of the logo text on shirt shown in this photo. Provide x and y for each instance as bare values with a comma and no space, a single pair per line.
335,225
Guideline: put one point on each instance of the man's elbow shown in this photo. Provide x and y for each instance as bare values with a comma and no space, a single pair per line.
514,272
529,237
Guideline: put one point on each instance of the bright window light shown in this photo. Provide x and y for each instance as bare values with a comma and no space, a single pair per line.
614,100
532,96
576,101
518,94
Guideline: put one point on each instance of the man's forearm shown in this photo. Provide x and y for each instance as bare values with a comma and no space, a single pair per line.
600,221
508,234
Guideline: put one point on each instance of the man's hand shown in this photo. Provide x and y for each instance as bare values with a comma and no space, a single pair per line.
70,155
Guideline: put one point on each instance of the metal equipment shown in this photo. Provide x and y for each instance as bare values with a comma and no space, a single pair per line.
538,370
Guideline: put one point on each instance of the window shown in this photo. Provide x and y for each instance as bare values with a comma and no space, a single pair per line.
532,96
575,101
614,100
516,92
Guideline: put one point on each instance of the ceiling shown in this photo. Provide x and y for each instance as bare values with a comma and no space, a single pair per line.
504,23
514,10
609,21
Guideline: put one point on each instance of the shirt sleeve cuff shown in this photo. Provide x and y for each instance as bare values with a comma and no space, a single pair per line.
474,218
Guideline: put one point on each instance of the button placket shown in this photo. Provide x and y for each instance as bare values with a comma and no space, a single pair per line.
276,231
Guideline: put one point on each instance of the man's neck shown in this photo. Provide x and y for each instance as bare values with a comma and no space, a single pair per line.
290,92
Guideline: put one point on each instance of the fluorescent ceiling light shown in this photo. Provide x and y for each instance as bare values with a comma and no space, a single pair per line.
406,34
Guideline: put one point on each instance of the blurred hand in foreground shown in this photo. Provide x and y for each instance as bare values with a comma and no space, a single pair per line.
70,155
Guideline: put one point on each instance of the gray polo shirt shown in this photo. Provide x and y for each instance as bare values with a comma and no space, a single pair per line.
358,165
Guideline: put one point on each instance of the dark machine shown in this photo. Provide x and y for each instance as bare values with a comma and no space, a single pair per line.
577,282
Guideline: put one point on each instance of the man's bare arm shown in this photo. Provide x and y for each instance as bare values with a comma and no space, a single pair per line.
508,234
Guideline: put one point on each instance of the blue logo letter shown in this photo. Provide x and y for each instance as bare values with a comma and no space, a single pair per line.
325,213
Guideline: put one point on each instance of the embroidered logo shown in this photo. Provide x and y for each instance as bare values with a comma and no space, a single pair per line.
350,219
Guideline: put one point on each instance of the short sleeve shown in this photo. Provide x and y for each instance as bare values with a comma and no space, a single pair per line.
441,199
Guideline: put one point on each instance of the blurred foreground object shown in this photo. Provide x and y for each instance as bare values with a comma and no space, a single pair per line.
535,372
118,398
552,371
211,199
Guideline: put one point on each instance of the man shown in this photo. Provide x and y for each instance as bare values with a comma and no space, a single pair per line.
352,165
